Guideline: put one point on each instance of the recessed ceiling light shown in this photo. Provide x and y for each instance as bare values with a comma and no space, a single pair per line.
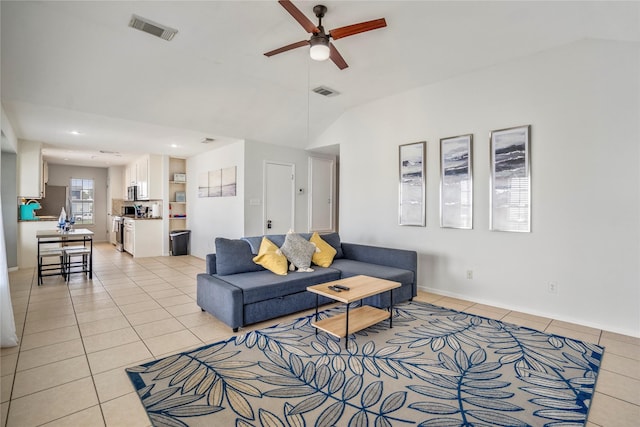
75,132
174,145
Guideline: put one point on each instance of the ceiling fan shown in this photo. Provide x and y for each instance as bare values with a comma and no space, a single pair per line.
321,48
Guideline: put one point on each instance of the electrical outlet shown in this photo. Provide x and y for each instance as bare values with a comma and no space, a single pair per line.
553,288
469,274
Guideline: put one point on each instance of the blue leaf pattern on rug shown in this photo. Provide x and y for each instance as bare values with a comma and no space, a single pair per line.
436,367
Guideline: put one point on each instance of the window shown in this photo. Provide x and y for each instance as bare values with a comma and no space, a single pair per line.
82,192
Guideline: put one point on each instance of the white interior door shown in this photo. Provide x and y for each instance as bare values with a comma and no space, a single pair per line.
279,197
321,194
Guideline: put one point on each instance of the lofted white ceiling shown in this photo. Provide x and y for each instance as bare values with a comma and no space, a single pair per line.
76,66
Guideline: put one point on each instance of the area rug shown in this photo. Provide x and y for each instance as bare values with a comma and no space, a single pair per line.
435,367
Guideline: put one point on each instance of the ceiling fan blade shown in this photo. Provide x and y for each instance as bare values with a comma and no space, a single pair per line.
336,57
299,16
350,30
288,47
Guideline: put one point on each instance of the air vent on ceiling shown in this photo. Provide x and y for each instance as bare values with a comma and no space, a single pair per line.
207,140
153,28
325,91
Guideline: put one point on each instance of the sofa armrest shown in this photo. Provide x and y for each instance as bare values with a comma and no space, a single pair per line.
399,258
210,264
221,299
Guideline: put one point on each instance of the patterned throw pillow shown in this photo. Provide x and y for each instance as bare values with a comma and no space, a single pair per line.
271,258
324,256
298,251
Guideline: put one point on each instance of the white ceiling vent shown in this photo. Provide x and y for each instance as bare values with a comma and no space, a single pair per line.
153,28
325,91
207,140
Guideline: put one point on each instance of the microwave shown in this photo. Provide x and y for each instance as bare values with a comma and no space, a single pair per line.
128,211
132,193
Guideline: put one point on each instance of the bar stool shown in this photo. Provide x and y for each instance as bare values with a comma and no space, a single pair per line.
51,269
81,266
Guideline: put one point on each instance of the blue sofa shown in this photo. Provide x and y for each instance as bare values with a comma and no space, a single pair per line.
239,292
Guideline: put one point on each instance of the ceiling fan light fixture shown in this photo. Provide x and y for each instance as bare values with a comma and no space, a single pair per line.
319,50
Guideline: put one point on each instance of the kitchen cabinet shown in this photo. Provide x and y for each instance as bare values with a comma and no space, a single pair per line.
30,170
27,242
146,174
143,237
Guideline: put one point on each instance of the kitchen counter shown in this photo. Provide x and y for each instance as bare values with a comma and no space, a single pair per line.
139,218
40,218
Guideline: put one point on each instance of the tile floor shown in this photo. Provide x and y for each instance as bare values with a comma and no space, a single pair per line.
76,341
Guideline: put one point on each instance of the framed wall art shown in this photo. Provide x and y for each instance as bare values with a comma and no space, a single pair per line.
456,182
511,179
412,184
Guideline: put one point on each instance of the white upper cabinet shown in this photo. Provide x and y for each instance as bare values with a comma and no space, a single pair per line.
146,174
30,173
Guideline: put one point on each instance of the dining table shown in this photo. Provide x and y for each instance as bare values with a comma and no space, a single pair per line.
64,238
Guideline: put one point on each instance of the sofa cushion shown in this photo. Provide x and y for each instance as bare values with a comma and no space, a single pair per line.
234,256
325,253
264,285
277,239
351,268
298,251
270,257
334,240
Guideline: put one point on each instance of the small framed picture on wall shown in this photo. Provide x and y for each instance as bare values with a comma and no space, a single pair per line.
456,182
412,184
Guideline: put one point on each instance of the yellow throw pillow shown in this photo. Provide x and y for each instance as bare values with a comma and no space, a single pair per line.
324,257
270,257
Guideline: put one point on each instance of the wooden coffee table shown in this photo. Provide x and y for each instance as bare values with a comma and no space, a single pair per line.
349,322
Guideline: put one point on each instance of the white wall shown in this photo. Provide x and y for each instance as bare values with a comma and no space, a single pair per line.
211,217
256,154
582,101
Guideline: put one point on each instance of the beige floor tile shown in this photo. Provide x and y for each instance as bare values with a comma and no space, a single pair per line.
621,365
112,384
197,319
90,417
621,348
478,311
45,314
133,299
160,327
32,327
54,336
51,375
211,332
109,339
619,386
93,316
8,364
139,307
52,404
94,305
608,411
620,337
6,385
115,357
574,327
125,411
50,354
4,409
173,341
573,334
175,300
182,309
5,351
148,316
156,285
164,293
102,326
527,322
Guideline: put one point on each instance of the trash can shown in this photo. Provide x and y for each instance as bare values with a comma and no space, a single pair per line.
180,242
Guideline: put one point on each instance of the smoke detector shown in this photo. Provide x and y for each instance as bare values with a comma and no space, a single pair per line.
153,28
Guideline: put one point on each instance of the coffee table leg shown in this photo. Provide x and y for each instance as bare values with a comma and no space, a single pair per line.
391,310
317,312
346,338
